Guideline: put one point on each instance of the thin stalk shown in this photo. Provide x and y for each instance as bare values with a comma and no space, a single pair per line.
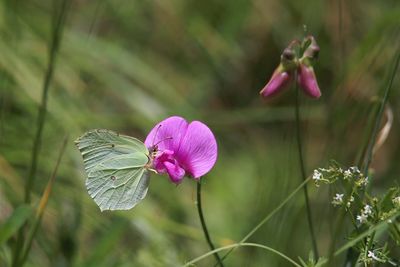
57,32
379,116
42,206
233,246
303,171
373,135
268,217
54,47
342,249
204,226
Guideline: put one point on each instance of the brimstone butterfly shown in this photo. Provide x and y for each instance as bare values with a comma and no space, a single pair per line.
117,168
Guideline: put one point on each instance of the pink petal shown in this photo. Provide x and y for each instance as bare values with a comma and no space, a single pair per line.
308,81
198,150
167,134
158,162
174,171
278,82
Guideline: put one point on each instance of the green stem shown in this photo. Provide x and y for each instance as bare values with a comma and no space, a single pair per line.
54,47
268,216
42,206
204,226
379,116
367,157
233,246
302,167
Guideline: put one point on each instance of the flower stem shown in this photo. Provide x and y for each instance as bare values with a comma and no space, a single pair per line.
204,226
302,167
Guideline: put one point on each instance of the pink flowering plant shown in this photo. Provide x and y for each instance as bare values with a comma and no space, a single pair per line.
296,60
214,161
182,149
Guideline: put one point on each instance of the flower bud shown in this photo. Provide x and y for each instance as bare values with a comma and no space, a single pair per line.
307,81
312,50
278,82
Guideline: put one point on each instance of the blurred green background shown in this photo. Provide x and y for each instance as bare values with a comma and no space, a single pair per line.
125,65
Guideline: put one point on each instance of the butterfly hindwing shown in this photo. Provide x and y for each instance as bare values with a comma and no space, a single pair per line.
117,177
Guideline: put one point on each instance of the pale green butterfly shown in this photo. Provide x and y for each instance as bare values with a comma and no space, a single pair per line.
117,168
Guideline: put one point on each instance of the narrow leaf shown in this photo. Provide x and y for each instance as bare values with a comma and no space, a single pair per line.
20,215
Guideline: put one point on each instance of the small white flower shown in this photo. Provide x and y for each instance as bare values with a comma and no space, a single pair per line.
362,218
367,210
317,175
372,255
348,204
354,169
339,197
347,174
364,181
396,201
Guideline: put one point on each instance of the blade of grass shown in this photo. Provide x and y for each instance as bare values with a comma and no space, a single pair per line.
268,217
378,227
20,215
42,206
370,144
55,44
233,246
54,47
379,116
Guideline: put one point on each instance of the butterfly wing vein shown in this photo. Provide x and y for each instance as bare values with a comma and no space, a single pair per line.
117,177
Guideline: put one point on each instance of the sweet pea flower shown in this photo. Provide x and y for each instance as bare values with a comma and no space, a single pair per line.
290,64
182,148
278,81
307,81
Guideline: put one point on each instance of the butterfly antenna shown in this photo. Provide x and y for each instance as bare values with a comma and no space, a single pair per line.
166,138
155,135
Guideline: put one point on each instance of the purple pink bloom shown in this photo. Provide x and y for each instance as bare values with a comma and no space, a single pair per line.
182,148
307,81
290,64
278,81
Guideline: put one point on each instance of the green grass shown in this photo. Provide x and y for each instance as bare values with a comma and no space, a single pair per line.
125,65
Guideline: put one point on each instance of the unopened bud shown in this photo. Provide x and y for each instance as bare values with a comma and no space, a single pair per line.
307,81
278,82
288,54
312,50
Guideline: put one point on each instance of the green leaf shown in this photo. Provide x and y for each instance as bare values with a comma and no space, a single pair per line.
20,215
386,203
116,166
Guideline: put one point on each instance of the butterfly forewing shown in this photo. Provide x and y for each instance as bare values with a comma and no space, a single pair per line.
116,168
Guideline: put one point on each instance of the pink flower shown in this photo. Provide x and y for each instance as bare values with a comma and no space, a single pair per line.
307,81
182,148
292,63
278,82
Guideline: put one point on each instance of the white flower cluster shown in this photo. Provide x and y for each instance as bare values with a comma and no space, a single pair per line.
317,175
372,256
396,201
365,213
337,200
368,257
347,174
